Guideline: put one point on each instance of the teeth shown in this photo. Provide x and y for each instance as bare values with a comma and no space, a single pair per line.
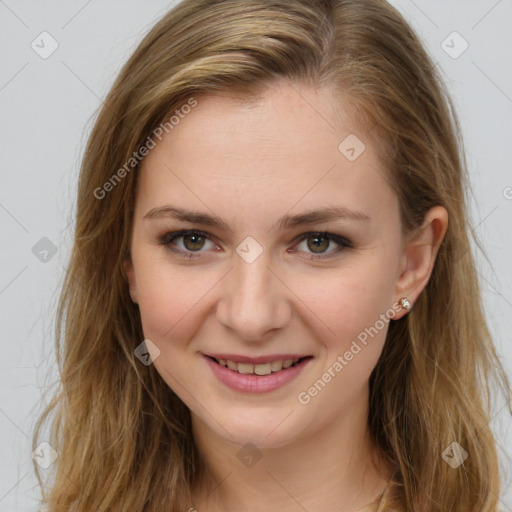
258,369
245,368
263,369
275,366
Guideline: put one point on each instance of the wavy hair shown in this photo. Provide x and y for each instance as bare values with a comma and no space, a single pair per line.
124,438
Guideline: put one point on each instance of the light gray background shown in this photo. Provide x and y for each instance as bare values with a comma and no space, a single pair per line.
47,107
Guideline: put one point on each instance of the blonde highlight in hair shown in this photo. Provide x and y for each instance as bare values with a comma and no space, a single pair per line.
124,438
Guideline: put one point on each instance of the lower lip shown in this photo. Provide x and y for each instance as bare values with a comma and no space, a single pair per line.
256,383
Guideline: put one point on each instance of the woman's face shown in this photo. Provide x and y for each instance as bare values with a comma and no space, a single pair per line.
262,282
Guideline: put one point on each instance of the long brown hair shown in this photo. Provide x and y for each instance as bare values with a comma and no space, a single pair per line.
123,437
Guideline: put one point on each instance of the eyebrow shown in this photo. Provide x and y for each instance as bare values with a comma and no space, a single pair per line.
287,221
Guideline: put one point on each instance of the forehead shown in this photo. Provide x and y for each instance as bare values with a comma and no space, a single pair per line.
283,121
289,144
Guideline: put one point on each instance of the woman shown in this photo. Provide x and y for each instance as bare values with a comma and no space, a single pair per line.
271,302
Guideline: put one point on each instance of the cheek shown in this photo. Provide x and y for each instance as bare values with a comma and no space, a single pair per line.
166,294
169,303
348,301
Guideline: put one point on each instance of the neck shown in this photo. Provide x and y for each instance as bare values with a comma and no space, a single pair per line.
335,468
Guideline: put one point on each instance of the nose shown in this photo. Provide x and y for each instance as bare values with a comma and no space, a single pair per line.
254,301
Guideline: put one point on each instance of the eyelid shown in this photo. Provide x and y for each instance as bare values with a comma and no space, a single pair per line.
343,242
167,239
327,234
169,236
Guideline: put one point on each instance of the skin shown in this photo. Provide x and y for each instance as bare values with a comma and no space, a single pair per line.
250,165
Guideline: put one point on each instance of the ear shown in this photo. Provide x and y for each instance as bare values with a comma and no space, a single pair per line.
129,273
419,256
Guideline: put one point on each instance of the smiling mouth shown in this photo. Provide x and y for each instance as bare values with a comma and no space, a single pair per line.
259,369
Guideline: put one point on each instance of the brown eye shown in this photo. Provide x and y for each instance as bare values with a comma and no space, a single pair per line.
189,244
193,242
319,243
316,245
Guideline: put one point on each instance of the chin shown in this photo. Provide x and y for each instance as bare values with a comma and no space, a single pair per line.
263,431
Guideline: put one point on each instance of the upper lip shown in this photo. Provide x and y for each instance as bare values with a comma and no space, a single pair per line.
238,358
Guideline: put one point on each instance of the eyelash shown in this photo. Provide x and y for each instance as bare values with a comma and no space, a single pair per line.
168,238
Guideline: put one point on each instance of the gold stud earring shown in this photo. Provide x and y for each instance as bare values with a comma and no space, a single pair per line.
404,302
